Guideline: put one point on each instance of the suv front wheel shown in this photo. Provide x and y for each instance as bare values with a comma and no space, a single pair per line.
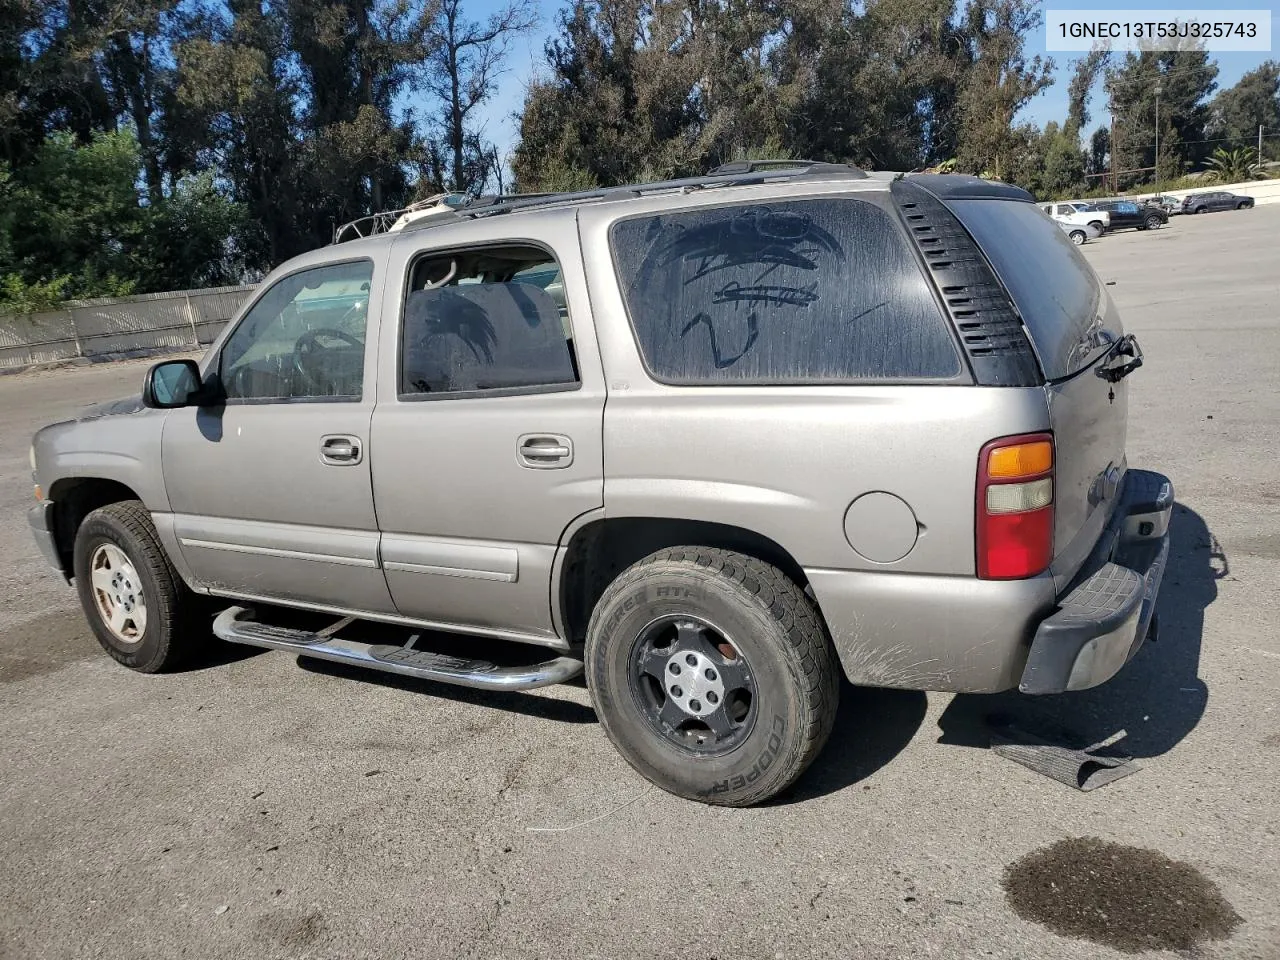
134,600
712,674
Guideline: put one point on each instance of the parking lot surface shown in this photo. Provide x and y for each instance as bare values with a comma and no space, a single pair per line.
266,806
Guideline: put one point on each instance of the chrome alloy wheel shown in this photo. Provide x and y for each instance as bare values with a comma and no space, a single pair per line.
117,591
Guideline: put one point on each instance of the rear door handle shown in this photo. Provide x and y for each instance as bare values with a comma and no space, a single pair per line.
339,450
544,451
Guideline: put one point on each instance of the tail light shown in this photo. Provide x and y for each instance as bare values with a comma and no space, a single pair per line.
1015,507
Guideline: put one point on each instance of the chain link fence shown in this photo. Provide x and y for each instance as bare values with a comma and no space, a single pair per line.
116,328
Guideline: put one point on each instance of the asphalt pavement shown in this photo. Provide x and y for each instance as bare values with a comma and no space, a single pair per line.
265,806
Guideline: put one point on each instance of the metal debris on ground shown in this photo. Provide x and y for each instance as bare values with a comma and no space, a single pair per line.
1083,768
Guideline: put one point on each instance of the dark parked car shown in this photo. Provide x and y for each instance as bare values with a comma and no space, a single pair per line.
1131,213
1217,200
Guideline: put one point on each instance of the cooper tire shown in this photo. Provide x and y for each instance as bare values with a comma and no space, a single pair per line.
767,620
151,643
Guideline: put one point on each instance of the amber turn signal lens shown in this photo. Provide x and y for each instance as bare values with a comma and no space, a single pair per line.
1020,460
39,492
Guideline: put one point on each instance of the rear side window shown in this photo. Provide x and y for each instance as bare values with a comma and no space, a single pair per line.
1052,285
804,291
485,319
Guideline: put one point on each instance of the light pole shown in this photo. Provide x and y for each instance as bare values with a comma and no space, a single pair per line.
1157,160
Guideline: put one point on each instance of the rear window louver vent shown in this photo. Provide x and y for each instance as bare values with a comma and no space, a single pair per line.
989,327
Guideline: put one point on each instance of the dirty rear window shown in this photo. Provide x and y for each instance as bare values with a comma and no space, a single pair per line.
803,291
1051,283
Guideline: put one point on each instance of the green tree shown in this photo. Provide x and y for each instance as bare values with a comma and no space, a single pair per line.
886,86
1237,112
191,238
355,57
585,116
999,83
1083,78
81,218
1185,78
236,101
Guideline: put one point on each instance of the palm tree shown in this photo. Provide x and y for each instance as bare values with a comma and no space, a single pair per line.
1233,166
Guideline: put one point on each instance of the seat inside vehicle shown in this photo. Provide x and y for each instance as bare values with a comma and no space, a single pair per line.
486,319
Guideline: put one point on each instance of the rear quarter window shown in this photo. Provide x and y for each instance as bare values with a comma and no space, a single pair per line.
1052,285
801,291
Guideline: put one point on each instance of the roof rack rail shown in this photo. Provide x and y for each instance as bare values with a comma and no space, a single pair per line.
511,203
806,166
450,206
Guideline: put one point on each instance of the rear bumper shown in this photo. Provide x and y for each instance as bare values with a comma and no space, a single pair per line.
40,519
1102,619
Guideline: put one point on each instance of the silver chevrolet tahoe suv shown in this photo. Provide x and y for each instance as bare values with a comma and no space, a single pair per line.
716,442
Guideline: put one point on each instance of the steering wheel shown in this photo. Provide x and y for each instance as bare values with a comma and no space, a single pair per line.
308,346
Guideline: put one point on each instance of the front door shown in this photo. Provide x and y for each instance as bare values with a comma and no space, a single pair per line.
271,490
492,443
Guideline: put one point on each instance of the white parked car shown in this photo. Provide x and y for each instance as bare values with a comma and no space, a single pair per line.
1078,213
1079,233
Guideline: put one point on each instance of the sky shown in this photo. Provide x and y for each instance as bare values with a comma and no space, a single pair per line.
525,60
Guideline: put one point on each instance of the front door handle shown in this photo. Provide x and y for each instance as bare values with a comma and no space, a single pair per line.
339,450
544,451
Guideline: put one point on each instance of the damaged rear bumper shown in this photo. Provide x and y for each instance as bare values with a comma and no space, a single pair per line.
1102,619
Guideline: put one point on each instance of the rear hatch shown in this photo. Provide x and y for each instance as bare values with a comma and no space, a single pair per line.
1072,323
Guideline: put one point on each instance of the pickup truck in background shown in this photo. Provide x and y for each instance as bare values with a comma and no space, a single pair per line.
1078,213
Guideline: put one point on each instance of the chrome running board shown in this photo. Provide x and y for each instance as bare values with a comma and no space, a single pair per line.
236,625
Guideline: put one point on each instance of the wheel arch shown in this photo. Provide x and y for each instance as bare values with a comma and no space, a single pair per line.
74,498
598,549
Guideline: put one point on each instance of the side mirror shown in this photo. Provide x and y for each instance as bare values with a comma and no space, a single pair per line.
173,383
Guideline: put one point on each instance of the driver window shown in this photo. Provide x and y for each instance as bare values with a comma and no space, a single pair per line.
304,339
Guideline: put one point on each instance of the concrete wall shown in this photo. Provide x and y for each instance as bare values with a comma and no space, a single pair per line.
123,327
1262,191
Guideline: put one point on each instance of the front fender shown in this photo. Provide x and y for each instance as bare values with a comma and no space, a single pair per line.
122,448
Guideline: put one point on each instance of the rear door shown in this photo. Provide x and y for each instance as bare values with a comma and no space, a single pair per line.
487,437
1071,320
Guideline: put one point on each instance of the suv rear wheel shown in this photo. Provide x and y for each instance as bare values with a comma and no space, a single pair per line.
133,598
1154,222
1078,236
712,674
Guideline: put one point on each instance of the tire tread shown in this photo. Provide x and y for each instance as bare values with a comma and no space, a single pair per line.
814,670
171,607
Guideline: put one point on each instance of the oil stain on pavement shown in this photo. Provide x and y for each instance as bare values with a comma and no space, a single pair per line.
1124,897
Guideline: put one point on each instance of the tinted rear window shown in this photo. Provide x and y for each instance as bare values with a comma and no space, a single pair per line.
803,291
1052,285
